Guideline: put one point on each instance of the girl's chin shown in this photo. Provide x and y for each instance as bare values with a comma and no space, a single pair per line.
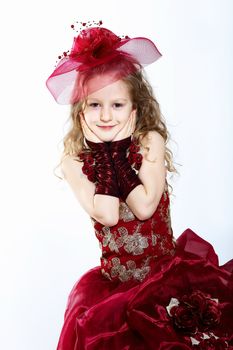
107,134
107,138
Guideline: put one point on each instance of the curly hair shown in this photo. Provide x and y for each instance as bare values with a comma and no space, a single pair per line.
149,116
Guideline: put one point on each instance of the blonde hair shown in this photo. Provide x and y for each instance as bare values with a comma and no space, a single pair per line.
149,116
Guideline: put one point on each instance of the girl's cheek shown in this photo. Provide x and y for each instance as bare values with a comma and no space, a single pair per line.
87,119
90,115
93,113
92,118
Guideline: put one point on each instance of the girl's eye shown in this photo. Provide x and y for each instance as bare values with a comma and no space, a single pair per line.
94,104
118,105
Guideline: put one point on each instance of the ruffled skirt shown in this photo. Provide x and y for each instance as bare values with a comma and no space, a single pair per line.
186,302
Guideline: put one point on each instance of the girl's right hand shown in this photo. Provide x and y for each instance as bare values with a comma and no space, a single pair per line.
88,134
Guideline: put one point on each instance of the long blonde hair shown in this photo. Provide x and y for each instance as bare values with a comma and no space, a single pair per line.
149,116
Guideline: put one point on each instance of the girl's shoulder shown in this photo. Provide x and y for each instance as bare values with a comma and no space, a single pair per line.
153,143
69,163
151,137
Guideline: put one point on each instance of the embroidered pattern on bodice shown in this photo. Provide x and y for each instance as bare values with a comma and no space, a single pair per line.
129,247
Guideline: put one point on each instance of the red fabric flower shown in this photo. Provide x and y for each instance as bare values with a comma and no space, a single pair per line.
210,317
134,158
212,343
133,147
91,177
208,309
184,319
82,156
89,160
196,312
197,299
138,158
94,44
88,167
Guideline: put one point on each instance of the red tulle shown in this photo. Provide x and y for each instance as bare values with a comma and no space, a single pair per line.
103,314
94,47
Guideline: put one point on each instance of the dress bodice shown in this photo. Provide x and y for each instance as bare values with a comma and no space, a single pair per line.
130,246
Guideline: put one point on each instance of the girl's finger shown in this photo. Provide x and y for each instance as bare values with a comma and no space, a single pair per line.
133,122
128,126
83,123
84,127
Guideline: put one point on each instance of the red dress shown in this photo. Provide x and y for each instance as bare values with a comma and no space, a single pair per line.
151,291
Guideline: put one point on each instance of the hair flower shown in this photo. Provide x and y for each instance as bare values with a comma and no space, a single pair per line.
94,44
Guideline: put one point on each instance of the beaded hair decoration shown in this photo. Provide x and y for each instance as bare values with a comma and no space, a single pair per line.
78,27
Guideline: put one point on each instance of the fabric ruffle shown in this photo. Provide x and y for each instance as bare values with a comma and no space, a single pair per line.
186,302
133,155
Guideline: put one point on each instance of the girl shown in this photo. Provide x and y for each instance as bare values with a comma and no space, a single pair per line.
150,290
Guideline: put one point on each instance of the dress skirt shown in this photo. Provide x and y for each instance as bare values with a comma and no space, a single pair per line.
185,302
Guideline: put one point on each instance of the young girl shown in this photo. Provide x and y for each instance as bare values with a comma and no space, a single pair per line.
150,290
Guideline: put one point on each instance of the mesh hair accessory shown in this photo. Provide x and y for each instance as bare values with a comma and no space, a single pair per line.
95,47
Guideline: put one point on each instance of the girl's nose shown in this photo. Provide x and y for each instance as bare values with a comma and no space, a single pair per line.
105,114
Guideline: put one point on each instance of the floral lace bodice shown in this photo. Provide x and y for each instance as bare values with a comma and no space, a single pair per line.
129,247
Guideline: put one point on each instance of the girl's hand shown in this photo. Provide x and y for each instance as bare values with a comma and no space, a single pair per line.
88,134
128,128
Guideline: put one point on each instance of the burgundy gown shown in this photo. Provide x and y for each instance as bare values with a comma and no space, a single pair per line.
151,291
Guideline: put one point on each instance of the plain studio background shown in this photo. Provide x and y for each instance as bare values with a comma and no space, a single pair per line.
47,241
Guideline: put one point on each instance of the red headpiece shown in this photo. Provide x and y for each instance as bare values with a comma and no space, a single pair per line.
94,47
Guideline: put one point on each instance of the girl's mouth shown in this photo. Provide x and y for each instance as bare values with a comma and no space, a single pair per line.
106,127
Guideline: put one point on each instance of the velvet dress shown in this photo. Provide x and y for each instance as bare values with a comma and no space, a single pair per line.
150,291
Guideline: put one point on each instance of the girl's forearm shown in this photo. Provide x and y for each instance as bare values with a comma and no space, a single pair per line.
106,209
141,203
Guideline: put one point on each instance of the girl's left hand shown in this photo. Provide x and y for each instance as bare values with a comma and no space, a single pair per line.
128,128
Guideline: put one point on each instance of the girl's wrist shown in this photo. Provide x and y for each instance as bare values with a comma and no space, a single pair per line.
97,146
119,146
103,169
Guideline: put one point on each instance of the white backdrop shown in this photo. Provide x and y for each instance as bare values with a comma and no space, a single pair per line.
47,241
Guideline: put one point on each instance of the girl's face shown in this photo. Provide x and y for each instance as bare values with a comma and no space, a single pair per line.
108,109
